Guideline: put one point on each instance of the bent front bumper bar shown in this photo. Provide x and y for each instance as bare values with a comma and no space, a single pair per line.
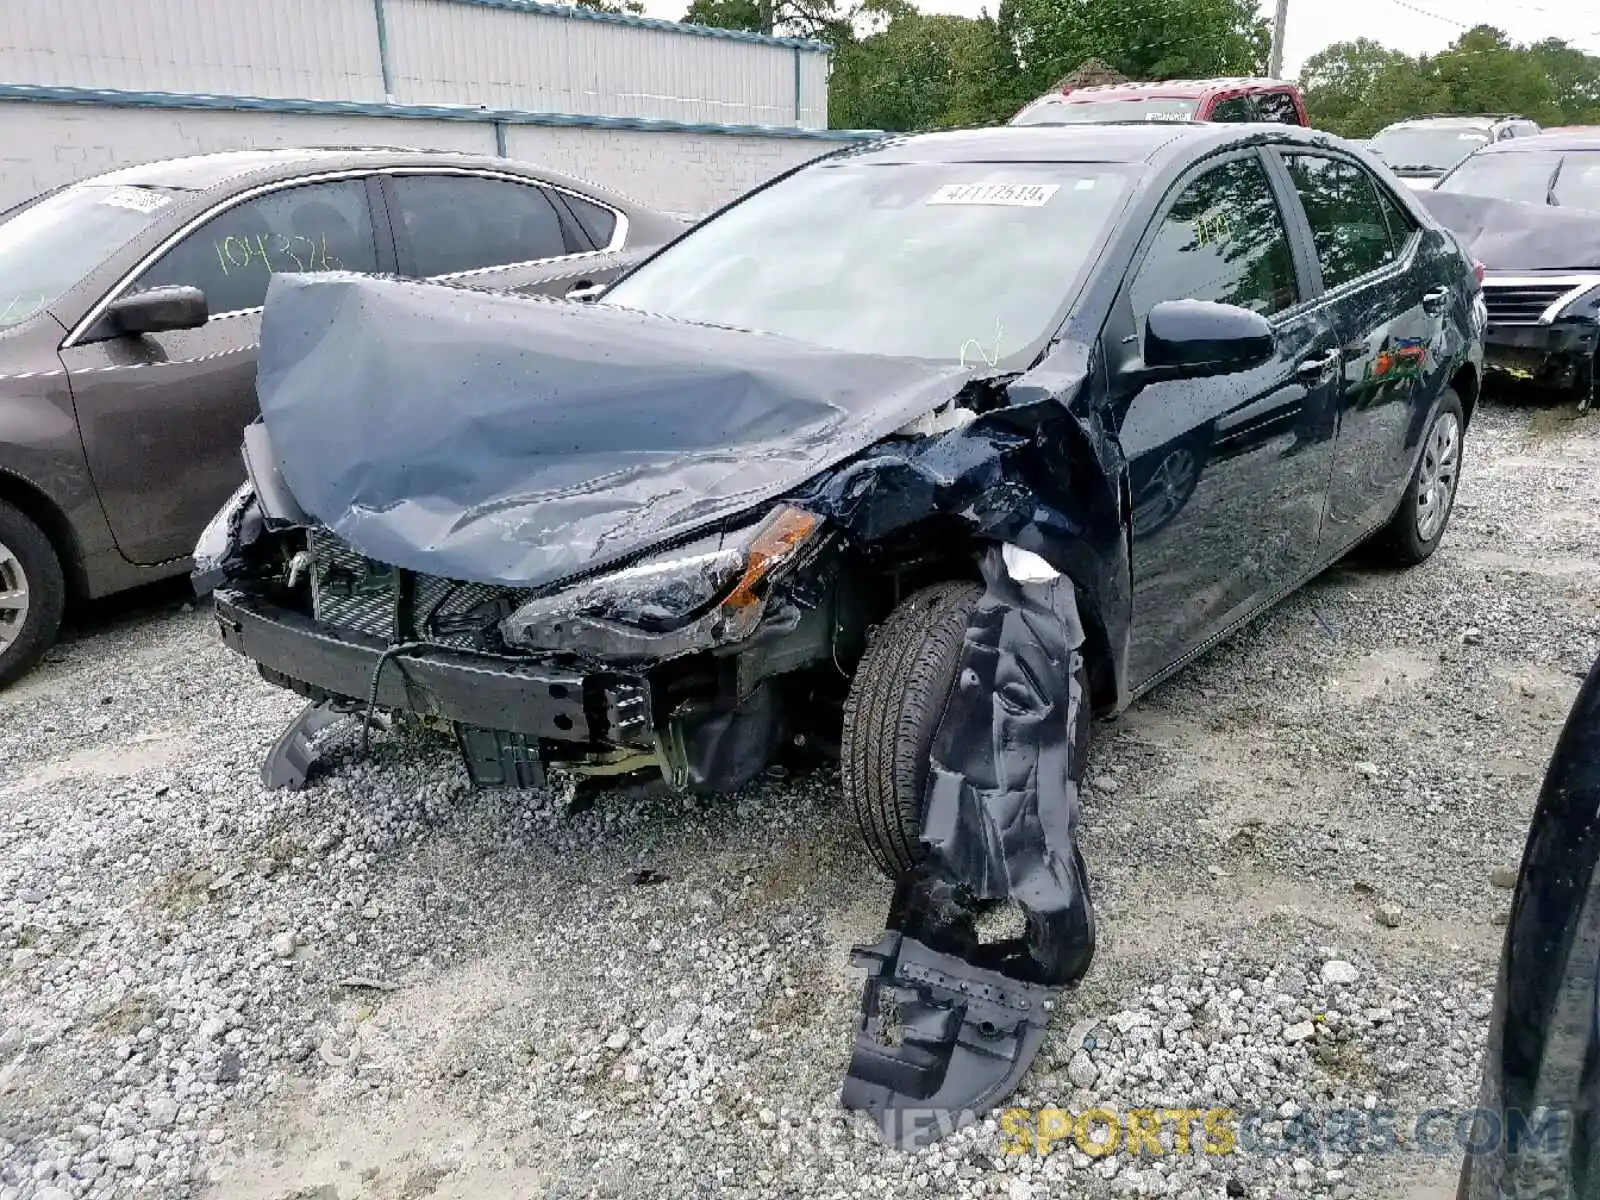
533,699
1560,356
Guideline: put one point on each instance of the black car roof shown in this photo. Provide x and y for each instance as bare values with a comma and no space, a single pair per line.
1557,141
1115,142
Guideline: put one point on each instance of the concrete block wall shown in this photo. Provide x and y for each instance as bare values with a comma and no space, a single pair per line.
683,171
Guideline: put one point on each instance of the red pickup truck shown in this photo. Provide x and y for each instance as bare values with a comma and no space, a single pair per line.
1269,100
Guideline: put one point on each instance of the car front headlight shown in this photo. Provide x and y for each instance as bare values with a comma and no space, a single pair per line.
700,595
219,539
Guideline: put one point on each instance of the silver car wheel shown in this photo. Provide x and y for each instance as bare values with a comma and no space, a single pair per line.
1437,475
13,597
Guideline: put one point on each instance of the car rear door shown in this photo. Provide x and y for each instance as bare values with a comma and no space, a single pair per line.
162,414
500,231
1228,474
1387,292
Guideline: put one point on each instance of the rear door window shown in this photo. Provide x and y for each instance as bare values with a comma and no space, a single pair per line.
598,221
448,224
1348,223
231,258
1277,107
1234,108
1224,240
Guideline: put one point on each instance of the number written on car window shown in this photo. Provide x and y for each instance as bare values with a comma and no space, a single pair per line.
233,256
1224,240
276,252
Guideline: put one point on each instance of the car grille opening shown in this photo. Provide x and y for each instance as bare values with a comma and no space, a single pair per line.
1521,303
351,592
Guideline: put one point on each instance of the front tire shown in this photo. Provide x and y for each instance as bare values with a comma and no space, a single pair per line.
896,702
33,594
1418,525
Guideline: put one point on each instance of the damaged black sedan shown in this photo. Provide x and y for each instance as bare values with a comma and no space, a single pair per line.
922,454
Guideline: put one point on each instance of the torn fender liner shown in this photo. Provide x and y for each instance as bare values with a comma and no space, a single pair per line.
512,440
949,1025
1509,235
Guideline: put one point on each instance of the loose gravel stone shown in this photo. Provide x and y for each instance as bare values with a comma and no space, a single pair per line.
1337,971
177,968
1388,915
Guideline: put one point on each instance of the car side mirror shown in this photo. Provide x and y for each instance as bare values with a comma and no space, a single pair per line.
1191,339
159,310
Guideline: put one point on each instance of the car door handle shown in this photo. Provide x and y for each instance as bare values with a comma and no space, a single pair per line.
1433,302
1314,369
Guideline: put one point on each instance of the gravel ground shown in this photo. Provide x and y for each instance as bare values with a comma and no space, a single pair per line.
390,986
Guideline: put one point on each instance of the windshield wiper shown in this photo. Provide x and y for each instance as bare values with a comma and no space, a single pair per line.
1550,192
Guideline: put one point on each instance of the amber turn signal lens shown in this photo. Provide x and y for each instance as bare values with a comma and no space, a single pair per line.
774,544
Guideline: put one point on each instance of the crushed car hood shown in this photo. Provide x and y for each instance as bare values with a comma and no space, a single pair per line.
1508,235
510,440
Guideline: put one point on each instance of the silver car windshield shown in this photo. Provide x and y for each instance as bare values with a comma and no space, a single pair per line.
973,263
47,247
1422,148
1568,179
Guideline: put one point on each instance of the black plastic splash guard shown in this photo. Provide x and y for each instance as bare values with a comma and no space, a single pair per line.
949,1025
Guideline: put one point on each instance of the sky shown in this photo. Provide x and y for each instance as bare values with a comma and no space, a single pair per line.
1416,26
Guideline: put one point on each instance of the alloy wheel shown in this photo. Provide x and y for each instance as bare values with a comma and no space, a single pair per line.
13,597
1437,475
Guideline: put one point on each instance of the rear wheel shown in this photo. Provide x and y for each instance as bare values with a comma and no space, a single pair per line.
896,702
33,594
1418,525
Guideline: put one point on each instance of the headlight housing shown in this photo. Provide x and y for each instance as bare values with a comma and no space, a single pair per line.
220,538
695,597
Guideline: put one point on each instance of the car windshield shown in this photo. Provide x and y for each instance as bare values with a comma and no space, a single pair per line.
46,248
1087,112
1427,149
968,262
1570,180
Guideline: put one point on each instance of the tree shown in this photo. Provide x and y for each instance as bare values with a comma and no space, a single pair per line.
1142,39
794,18
1356,88
1574,80
634,7
1484,73
920,71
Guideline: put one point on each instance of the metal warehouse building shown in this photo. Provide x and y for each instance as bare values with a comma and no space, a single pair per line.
679,116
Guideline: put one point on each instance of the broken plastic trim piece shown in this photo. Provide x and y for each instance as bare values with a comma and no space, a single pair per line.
298,750
290,761
999,823
938,1043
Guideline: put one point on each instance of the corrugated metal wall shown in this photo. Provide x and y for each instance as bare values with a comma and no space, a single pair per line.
317,49
439,52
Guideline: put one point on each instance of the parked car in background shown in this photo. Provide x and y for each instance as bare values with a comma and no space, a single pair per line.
1560,167
1422,149
1237,100
1529,210
129,311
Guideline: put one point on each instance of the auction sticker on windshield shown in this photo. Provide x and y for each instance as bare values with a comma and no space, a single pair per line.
1017,195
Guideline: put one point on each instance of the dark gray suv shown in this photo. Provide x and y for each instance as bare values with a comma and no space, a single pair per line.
130,307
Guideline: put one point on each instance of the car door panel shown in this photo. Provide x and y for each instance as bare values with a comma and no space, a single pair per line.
1227,474
161,414
1389,338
